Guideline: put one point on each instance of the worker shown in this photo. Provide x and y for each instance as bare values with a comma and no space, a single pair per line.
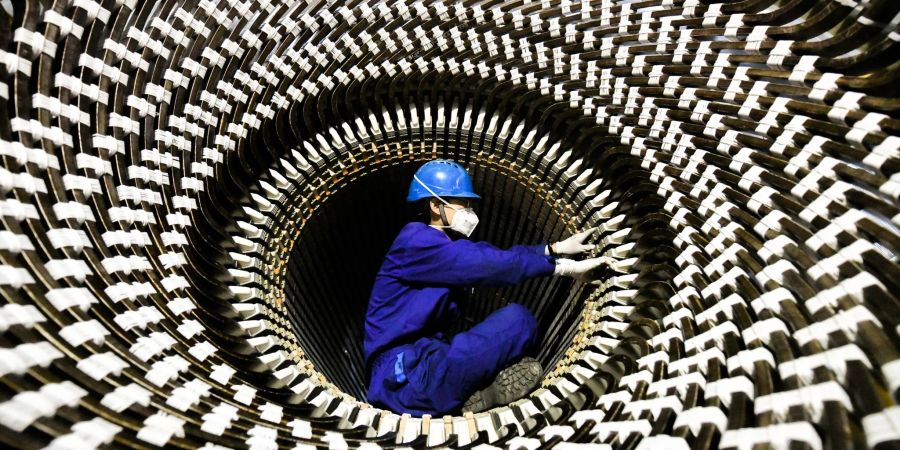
414,366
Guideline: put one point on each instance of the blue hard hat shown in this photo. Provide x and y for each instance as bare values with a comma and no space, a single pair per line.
444,178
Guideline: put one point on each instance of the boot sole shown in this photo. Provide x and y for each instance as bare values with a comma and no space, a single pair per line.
511,384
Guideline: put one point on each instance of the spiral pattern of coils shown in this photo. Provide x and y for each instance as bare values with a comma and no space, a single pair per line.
196,195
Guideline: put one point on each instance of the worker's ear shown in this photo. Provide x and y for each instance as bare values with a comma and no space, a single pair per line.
434,206
425,209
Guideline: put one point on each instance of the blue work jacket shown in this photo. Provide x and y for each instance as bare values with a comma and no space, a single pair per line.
411,297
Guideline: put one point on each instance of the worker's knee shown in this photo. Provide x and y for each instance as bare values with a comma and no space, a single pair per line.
521,317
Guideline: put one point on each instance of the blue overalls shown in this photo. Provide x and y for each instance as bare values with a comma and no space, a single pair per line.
414,368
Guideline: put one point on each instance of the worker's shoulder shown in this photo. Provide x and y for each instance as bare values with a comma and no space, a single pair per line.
416,233
414,226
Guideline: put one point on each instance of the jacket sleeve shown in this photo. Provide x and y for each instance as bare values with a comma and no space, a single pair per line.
537,249
466,263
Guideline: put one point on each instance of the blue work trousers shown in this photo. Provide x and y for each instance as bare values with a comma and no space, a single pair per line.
433,376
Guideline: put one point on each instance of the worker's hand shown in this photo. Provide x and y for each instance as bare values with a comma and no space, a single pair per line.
575,243
579,270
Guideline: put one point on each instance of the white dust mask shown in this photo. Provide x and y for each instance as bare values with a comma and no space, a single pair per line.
464,221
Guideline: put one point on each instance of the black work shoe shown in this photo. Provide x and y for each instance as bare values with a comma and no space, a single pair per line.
511,384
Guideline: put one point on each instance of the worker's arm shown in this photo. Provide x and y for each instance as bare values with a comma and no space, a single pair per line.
440,261
539,249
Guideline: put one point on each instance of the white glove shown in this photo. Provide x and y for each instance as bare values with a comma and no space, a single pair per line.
574,244
579,269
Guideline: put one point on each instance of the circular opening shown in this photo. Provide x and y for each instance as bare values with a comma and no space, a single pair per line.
341,247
